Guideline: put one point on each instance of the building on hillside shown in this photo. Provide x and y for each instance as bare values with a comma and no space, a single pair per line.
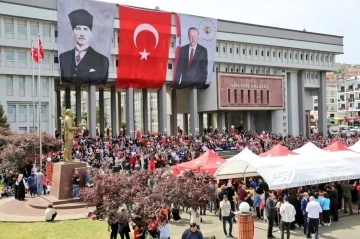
284,68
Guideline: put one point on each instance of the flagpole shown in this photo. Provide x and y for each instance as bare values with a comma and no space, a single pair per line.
33,93
39,90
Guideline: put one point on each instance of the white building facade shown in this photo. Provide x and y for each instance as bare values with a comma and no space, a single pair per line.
300,59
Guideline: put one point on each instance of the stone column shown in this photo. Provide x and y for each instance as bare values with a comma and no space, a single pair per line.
301,102
201,123
186,123
292,103
249,122
91,116
102,111
119,109
67,98
209,121
114,130
221,121
162,110
194,117
78,104
322,104
174,121
58,111
130,126
145,111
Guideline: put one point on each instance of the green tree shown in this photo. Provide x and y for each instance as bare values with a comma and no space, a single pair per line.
3,118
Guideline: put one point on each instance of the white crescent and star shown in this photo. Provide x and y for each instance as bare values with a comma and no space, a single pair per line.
146,27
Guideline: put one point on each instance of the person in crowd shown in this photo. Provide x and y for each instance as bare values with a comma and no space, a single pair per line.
229,191
164,228
21,187
31,181
225,207
304,202
279,203
88,179
313,209
75,184
195,217
256,204
346,193
192,233
124,229
139,232
39,176
48,188
326,210
334,202
270,211
50,213
287,213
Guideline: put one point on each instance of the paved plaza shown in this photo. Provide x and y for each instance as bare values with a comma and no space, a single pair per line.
348,227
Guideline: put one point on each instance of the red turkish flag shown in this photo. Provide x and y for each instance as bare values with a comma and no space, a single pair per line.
143,48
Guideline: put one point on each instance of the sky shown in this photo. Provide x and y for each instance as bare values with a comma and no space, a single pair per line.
333,17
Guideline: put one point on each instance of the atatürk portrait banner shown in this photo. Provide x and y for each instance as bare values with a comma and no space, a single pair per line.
85,32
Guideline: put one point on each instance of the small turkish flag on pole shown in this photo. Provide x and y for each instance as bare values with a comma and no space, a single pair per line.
144,48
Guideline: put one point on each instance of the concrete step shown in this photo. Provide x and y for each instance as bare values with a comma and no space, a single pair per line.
42,203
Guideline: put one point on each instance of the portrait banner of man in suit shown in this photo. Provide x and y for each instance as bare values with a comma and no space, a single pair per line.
85,34
195,51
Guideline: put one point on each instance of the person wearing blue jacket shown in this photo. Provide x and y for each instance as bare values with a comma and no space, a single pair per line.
326,209
304,202
32,184
256,204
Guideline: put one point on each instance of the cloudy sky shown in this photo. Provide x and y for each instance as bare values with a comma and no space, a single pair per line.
334,17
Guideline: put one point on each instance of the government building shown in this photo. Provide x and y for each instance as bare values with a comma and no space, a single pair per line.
264,78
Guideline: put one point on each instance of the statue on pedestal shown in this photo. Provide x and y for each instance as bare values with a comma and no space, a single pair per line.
69,132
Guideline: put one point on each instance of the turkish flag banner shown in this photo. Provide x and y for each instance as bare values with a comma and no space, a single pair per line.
144,41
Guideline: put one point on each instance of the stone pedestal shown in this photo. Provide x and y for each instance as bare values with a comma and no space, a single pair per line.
246,226
61,186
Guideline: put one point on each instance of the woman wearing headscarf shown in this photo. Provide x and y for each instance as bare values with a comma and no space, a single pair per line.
21,186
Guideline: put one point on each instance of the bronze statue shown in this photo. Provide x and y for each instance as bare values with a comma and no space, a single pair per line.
69,131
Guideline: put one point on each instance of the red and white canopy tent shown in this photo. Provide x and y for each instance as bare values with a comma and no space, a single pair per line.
209,162
278,151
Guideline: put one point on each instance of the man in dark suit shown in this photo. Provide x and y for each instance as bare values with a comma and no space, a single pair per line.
83,65
192,66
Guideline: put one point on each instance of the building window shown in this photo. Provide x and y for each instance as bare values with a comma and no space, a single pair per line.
316,76
9,26
22,109
9,55
231,70
22,56
22,82
172,44
307,76
262,53
226,69
296,56
21,29
224,49
237,70
217,49
242,70
249,52
9,82
45,83
317,58
244,51
274,54
285,55
237,50
321,58
47,57
279,54
331,58
34,31
56,60
306,57
311,57
326,58
256,52
23,129
43,110
11,109
230,50
170,66
268,53
46,31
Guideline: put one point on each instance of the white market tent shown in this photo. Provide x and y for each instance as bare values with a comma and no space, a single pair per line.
236,167
355,147
309,167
